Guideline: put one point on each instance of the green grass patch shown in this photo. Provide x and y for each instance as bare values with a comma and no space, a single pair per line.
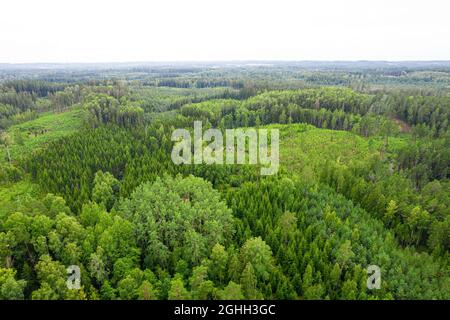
304,148
32,135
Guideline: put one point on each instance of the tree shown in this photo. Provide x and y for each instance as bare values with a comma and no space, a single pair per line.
177,290
201,287
97,266
55,205
5,140
219,263
344,253
314,292
288,223
307,279
391,211
52,277
10,288
232,291
348,291
174,213
335,276
283,118
107,291
257,253
249,283
257,122
194,247
106,189
234,268
418,221
388,128
147,292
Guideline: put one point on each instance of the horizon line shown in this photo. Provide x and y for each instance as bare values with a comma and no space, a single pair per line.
206,62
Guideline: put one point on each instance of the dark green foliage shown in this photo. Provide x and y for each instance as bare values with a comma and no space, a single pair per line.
330,243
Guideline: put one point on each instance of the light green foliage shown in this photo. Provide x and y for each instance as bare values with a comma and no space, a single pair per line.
257,253
52,278
177,290
232,291
106,189
218,265
10,288
201,287
177,213
249,283
37,133
344,254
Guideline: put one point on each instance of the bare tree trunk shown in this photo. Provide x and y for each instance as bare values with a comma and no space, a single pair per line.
9,262
9,154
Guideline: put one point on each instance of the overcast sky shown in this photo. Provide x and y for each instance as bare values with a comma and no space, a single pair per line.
167,30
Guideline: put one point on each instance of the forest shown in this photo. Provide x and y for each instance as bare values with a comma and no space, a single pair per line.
87,180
